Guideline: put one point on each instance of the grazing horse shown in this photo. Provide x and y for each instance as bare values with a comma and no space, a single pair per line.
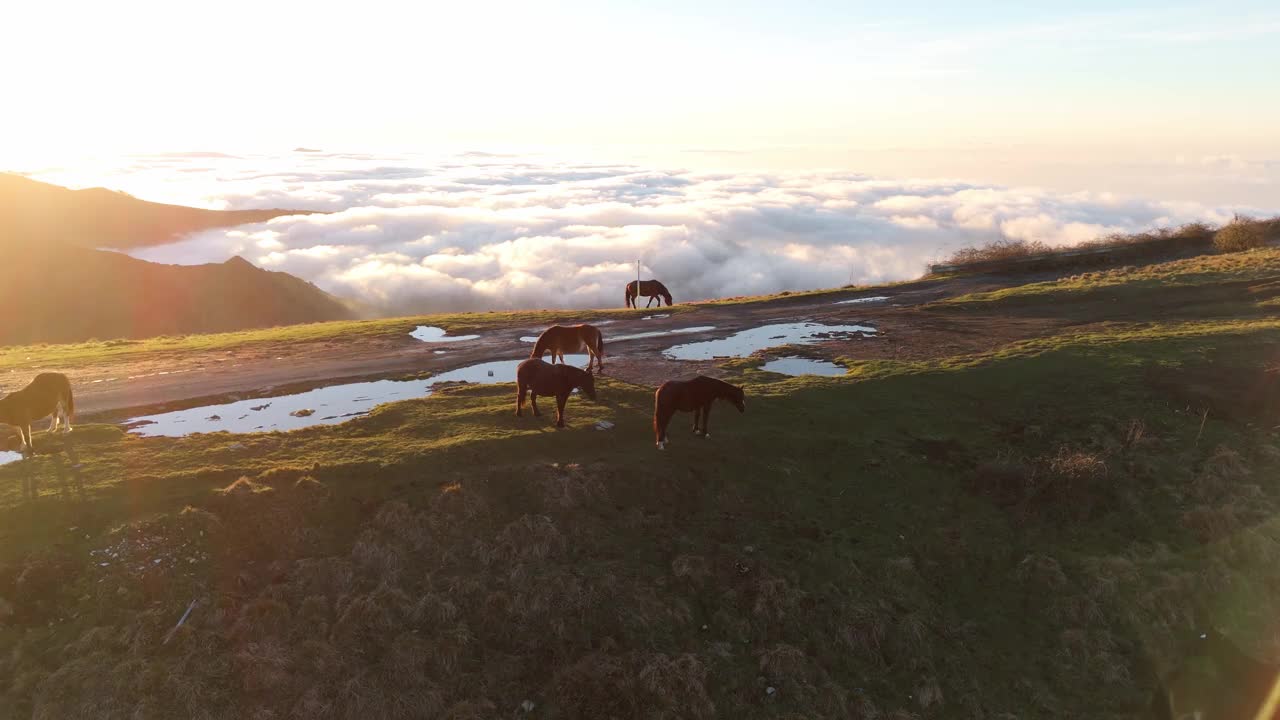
694,395
651,289
1240,687
560,339
48,394
537,377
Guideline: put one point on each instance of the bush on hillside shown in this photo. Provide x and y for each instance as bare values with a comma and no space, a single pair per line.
1242,233
1002,249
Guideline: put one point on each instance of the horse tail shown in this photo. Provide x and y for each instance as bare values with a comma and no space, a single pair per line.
70,404
599,343
626,294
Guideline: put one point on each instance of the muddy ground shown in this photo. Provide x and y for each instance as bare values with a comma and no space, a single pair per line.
113,390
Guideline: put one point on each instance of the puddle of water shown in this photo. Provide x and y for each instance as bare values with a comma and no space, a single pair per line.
660,333
529,338
329,405
804,366
744,343
877,298
7,457
432,334
655,317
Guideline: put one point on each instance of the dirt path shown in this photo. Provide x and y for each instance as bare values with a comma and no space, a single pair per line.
111,391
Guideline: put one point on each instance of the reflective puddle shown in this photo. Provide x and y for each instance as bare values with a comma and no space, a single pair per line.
803,366
433,334
877,298
322,406
746,342
640,336
8,457
660,333
655,317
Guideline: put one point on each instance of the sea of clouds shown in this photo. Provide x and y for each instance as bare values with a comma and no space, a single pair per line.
478,231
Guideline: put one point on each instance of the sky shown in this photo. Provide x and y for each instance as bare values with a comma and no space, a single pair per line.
739,147
1020,91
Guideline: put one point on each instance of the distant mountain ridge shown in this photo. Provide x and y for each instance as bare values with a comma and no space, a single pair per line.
34,211
56,287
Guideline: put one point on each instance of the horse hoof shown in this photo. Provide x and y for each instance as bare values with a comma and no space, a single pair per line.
662,446
706,436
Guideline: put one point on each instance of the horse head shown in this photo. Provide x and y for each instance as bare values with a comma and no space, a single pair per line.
666,294
739,399
588,384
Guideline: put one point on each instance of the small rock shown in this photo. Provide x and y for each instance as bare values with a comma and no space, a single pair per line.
527,705
771,690
121,591
749,549
604,425
303,413
491,375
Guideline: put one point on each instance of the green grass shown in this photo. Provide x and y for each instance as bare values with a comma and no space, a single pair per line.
1148,283
842,543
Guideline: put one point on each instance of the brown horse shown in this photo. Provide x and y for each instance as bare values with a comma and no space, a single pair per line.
561,339
537,377
651,289
48,394
694,396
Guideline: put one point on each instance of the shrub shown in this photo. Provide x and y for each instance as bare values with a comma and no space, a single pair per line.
1242,233
1003,249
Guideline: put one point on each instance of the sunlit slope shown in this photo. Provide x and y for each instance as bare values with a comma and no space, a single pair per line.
1019,532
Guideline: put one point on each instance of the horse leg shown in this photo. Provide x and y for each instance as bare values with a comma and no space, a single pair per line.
560,401
26,445
706,417
697,416
646,305
533,402
661,417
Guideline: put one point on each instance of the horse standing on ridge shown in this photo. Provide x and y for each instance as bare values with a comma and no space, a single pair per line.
651,289
561,339
694,396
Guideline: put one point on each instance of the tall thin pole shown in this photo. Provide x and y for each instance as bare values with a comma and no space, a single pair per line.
637,279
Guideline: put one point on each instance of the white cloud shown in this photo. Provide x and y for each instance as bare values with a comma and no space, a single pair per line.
490,232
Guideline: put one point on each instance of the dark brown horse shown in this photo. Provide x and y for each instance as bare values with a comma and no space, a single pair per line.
48,394
694,396
651,289
561,339
1240,686
537,377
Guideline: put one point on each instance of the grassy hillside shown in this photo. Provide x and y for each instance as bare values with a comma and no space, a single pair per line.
69,294
33,213
1020,533
69,291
